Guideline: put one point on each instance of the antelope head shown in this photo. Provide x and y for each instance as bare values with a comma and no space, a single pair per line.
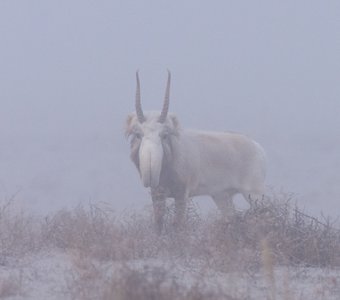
152,136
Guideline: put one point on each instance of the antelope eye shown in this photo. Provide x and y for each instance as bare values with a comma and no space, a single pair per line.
164,135
138,135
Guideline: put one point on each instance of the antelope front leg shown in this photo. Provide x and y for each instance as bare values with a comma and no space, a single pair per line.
159,207
180,209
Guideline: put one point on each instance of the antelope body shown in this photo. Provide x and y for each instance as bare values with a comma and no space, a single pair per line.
180,164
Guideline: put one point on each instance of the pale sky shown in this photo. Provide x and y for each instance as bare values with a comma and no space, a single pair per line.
269,69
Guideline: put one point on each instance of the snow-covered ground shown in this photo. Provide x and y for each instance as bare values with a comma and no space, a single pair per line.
54,275
91,253
67,82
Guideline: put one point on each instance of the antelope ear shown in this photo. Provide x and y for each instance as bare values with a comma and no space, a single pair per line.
128,124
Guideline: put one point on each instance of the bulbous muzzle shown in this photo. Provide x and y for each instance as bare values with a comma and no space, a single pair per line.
150,162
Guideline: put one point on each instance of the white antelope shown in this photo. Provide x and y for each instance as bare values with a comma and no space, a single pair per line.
180,164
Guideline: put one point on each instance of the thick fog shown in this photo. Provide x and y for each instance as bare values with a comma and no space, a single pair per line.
269,69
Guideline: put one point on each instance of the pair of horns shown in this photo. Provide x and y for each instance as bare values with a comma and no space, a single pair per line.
165,109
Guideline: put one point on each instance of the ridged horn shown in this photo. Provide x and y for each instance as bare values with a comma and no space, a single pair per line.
165,109
139,110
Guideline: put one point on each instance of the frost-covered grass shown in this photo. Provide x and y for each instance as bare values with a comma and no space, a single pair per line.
274,251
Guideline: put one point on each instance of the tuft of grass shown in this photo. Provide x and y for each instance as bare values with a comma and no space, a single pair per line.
268,266
294,237
97,232
19,233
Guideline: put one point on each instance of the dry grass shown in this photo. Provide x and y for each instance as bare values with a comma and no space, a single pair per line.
19,233
97,232
274,233
293,237
104,249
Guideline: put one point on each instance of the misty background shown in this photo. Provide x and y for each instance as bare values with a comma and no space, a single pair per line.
269,69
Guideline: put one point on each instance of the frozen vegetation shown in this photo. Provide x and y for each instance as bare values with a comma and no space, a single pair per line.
274,251
269,70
